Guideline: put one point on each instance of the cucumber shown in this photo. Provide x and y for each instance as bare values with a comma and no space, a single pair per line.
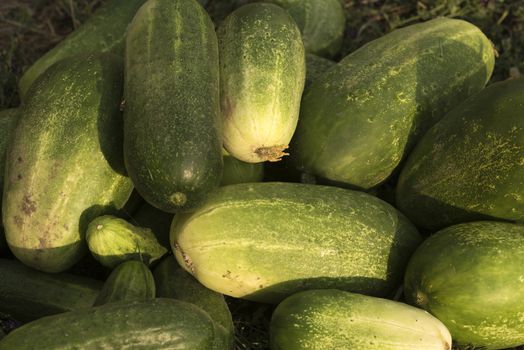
363,115
468,167
262,74
157,220
151,324
265,241
172,145
64,166
237,171
321,22
316,66
333,319
129,281
172,281
28,294
113,241
104,31
470,276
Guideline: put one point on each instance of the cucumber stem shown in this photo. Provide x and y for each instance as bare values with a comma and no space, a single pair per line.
272,154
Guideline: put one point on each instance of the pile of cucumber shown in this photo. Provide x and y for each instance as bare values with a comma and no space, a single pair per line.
169,153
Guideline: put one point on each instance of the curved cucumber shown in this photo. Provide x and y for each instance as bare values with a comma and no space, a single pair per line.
470,276
152,324
363,115
129,281
469,166
113,241
104,31
172,143
262,74
265,241
332,319
27,294
64,165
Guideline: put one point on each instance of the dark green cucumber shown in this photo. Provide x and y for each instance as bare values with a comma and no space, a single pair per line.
237,171
153,324
315,67
113,241
362,116
64,166
155,219
172,142
27,294
173,281
471,277
321,22
103,32
129,281
470,165
265,241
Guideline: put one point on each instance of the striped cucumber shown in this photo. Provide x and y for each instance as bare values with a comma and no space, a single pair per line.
172,145
262,74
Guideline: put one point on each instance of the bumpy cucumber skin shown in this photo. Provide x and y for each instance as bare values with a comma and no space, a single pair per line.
265,241
321,22
152,324
64,165
470,276
333,319
172,144
363,115
173,281
113,241
262,74
469,166
27,294
316,66
103,32
237,171
129,281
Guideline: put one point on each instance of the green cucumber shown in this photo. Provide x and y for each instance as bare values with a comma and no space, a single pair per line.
316,66
470,276
262,74
113,241
362,116
265,241
469,166
157,220
129,281
173,281
237,171
321,22
333,319
172,144
103,32
151,324
64,166
28,294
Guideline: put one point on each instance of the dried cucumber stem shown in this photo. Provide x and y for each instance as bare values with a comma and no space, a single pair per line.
272,154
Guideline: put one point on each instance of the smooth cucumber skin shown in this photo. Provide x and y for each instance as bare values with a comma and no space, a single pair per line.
321,22
262,74
333,319
113,241
129,281
28,294
315,67
172,144
152,324
172,281
470,165
361,117
265,241
470,276
64,165
237,171
103,32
